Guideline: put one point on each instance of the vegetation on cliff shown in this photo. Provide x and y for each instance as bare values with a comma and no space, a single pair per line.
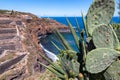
98,45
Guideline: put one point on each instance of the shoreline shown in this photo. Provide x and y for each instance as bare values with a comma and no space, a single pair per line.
49,54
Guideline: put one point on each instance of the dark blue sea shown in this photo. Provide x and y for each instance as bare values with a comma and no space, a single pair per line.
46,42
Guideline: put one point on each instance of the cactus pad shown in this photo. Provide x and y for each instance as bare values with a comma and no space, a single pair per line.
99,59
68,60
101,11
105,37
75,67
113,72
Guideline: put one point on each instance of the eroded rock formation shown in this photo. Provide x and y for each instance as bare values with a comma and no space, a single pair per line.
19,48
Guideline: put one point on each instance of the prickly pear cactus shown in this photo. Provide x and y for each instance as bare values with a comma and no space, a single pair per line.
68,60
113,72
68,54
99,59
75,67
101,11
105,37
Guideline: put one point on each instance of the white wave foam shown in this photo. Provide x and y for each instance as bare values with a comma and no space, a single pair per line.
49,54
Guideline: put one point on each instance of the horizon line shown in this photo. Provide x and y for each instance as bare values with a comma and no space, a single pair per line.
66,16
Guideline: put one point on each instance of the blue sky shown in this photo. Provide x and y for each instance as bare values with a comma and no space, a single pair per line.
49,7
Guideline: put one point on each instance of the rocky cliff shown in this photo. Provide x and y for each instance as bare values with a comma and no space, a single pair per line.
19,48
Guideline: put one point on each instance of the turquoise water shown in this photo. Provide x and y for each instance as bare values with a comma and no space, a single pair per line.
46,42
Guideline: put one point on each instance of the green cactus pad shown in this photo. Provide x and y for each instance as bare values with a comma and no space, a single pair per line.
99,59
105,37
68,62
101,11
75,67
113,72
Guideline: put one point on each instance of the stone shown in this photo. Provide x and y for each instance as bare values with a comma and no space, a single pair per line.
19,48
8,30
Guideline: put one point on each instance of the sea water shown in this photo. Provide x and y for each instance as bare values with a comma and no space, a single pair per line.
46,42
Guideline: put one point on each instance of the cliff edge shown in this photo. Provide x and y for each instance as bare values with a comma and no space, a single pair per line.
19,48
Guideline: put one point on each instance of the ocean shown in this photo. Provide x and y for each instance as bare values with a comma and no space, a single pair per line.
46,42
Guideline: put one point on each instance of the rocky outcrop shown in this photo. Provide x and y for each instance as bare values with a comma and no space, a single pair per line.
19,48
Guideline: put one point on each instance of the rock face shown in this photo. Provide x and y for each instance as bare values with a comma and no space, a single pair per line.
19,48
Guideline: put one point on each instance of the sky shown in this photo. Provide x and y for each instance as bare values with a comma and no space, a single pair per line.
50,7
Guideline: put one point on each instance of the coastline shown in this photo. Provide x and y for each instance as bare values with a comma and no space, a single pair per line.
49,54
24,56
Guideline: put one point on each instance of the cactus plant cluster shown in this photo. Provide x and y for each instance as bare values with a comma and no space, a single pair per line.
105,40
67,68
100,12
98,53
